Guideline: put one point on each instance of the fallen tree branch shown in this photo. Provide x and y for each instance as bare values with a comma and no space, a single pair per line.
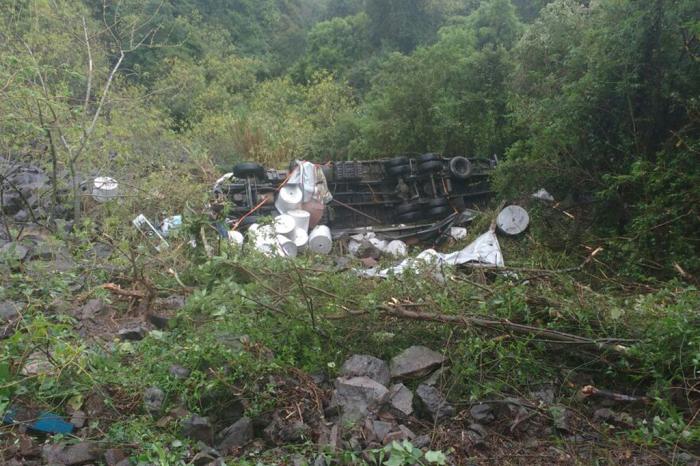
553,336
116,289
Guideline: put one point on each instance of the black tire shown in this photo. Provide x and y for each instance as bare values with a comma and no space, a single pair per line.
437,202
399,170
431,166
460,167
428,157
396,161
411,206
409,217
248,169
438,211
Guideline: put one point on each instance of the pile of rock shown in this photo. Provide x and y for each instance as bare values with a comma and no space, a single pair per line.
370,397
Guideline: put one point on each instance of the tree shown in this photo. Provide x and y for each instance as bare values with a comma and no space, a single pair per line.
68,85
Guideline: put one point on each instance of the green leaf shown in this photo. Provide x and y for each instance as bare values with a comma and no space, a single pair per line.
436,457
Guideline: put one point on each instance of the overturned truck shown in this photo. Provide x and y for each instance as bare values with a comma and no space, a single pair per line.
405,190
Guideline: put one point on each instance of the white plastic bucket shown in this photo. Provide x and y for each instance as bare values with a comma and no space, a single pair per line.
289,198
235,237
286,246
396,248
104,189
301,217
285,225
301,238
320,240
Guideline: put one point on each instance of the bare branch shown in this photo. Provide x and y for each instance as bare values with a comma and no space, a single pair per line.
90,69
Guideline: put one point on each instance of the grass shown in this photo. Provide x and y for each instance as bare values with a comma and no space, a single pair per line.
249,319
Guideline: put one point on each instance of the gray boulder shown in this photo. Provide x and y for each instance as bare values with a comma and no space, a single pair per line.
401,399
415,361
357,396
433,404
153,399
236,435
198,428
78,453
364,365
9,310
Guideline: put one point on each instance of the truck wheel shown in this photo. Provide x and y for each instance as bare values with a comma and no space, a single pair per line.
460,167
406,207
396,161
430,166
399,170
428,157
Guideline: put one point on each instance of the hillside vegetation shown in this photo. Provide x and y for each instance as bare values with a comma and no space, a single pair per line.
597,101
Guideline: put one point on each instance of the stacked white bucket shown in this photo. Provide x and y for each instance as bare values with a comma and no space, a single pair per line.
289,235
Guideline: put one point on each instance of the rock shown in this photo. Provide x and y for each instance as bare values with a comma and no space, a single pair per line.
612,417
329,439
99,251
356,396
9,310
364,365
436,377
320,461
403,433
422,441
377,430
198,428
236,435
401,399
78,419
285,431
91,309
367,250
159,322
546,396
482,412
28,448
14,250
133,333
433,404
79,453
415,361
114,457
179,372
171,303
153,399
368,262
476,434
561,417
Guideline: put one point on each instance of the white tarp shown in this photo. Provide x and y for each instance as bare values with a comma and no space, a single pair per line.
483,250
310,179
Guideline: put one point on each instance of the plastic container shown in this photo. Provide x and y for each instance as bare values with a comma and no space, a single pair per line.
286,246
285,225
301,217
235,237
396,248
301,239
320,240
289,198
104,189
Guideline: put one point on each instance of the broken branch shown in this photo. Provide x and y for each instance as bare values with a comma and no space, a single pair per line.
553,335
